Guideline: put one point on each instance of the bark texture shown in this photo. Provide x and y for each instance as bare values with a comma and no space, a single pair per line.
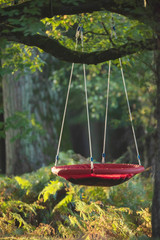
32,96
2,141
156,197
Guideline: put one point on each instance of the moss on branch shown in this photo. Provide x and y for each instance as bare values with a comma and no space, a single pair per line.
53,47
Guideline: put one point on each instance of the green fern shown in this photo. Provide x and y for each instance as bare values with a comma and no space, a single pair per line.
94,222
62,205
50,189
83,213
24,184
21,221
17,206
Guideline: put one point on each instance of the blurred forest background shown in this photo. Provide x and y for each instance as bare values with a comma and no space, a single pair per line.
33,87
33,92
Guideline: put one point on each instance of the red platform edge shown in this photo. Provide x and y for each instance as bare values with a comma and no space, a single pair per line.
104,171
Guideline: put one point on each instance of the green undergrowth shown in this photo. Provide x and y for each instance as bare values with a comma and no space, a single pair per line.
41,206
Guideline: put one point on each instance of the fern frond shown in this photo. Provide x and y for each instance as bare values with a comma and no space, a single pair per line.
74,221
87,209
63,203
21,206
24,184
50,189
17,207
22,222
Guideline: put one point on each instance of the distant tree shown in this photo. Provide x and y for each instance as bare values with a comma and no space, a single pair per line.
28,110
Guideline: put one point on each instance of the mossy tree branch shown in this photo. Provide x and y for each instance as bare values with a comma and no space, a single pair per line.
56,49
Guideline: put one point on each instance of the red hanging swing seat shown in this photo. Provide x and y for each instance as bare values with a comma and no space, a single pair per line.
104,175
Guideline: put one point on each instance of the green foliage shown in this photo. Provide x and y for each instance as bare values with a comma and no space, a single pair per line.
27,25
122,195
24,184
95,218
20,58
19,202
76,3
70,158
32,203
42,205
110,224
95,35
138,76
50,189
16,211
63,204
24,126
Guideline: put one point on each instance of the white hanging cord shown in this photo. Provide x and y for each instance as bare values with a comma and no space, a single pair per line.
106,116
129,109
130,114
87,108
66,103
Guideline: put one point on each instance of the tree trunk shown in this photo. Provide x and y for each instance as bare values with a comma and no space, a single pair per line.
2,141
16,95
34,99
156,197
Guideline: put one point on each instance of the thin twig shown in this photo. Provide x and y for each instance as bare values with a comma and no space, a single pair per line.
107,32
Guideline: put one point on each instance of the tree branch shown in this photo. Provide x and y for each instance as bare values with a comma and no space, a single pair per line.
56,49
132,9
42,9
108,34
